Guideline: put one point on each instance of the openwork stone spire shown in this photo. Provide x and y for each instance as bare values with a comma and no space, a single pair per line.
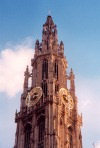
49,35
49,21
49,42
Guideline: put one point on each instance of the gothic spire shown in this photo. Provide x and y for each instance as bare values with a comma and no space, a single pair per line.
49,21
49,34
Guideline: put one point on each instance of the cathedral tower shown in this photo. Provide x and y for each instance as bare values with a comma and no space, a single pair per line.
48,116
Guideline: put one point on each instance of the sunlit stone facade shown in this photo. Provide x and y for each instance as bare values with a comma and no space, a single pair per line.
51,120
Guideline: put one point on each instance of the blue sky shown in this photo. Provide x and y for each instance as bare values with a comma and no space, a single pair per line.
78,24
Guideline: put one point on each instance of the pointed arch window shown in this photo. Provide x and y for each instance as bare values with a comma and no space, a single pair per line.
45,69
41,131
45,88
27,136
56,69
56,88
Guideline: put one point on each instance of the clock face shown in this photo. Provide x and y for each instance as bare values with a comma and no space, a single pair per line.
66,97
33,96
63,94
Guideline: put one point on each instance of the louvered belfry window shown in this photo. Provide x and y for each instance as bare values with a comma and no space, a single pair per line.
45,88
56,69
27,136
41,132
45,69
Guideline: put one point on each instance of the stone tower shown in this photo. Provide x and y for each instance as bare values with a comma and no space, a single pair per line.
48,116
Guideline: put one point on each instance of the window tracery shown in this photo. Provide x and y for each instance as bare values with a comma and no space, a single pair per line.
56,69
45,69
45,88
41,132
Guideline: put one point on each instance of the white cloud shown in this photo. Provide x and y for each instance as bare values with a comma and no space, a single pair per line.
89,104
89,100
97,145
13,62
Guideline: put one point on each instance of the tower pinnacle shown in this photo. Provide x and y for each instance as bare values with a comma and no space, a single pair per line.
49,21
26,74
49,34
72,83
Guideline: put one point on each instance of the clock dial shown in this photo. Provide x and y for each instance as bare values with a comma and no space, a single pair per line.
63,94
33,96
66,97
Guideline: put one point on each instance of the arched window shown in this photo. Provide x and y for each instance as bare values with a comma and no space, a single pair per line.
45,69
41,131
45,88
56,69
27,136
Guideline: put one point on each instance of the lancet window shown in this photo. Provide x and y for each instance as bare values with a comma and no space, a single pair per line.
56,88
27,136
45,88
45,69
41,132
56,69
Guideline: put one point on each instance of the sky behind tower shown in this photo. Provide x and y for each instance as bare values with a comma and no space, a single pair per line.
78,24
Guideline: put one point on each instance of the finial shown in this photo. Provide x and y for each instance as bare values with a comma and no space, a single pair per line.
27,75
16,112
37,41
72,76
61,45
71,70
27,70
37,44
72,83
37,47
49,21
